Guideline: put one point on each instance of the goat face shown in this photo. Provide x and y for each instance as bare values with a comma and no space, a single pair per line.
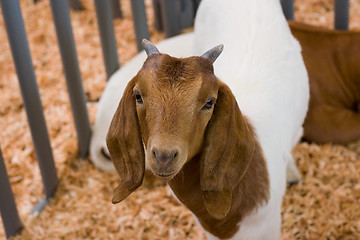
164,110
166,117
174,102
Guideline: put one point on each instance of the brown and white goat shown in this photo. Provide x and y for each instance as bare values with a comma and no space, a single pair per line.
332,59
178,119
210,156
181,121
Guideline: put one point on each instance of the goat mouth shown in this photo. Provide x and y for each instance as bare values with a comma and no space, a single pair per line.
165,176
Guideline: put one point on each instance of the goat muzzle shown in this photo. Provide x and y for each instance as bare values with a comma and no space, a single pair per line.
164,158
165,163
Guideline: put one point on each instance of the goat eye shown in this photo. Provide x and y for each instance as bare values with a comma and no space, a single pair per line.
138,98
208,105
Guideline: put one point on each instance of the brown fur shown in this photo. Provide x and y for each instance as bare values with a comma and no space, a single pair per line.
125,125
219,172
333,62
250,192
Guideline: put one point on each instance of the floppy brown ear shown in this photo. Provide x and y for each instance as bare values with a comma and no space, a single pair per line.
125,145
227,154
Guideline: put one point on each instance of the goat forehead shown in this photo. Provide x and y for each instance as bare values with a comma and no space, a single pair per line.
175,81
176,70
176,73
175,97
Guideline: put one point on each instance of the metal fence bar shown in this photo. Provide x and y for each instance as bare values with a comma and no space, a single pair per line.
341,14
25,71
76,5
196,5
186,14
174,16
169,15
60,12
107,36
9,213
288,8
140,22
116,9
158,21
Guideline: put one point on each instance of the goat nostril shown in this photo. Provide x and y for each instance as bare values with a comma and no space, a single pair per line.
164,158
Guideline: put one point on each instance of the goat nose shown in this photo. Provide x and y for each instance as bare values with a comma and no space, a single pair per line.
164,158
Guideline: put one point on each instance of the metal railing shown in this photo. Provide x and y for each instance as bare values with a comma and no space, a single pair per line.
24,68
9,213
170,17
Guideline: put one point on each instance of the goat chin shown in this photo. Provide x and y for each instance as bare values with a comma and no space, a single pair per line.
179,46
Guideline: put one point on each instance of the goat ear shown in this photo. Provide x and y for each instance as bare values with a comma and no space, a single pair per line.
125,145
228,151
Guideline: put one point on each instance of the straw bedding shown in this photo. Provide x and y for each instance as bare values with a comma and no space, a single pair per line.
326,205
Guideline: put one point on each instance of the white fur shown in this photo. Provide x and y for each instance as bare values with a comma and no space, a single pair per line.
263,66
179,46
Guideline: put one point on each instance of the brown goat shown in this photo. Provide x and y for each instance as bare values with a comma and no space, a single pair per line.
210,155
332,59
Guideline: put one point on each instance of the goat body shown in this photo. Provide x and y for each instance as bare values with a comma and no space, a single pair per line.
224,153
333,62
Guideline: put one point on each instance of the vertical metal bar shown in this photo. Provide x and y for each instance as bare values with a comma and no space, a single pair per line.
196,5
185,14
9,213
76,5
158,22
140,22
170,18
107,36
341,14
288,9
25,71
60,12
116,9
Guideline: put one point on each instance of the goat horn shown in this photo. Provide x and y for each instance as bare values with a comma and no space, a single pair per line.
213,53
149,47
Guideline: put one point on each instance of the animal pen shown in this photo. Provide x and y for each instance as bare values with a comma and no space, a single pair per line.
324,206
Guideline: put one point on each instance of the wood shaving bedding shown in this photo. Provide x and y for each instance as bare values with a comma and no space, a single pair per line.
325,205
